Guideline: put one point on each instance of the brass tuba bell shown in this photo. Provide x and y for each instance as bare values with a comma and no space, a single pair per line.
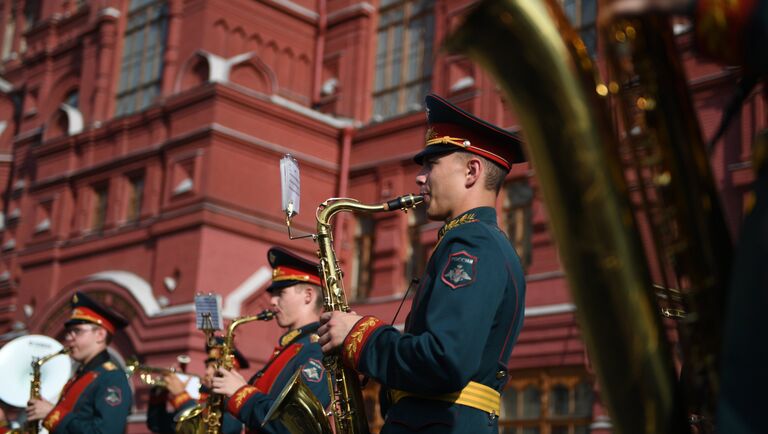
298,409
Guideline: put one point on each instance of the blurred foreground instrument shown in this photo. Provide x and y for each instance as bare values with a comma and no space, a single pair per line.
563,109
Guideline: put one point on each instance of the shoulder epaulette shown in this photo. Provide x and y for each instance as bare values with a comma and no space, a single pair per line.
109,366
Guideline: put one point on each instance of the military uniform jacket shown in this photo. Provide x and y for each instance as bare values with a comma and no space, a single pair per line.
160,420
97,400
464,321
296,350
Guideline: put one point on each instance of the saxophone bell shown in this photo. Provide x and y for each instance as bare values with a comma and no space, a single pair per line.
298,409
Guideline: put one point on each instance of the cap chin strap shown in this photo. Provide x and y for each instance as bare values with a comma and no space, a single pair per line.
448,140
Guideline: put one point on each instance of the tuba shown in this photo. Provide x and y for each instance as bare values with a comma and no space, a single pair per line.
208,418
579,159
296,407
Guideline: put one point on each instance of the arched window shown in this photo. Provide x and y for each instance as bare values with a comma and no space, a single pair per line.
518,217
556,401
142,63
403,56
362,258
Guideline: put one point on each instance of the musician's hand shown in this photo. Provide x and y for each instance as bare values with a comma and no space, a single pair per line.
38,409
3,418
227,382
174,384
335,327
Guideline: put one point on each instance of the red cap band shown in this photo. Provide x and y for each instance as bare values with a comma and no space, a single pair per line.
85,314
287,273
467,140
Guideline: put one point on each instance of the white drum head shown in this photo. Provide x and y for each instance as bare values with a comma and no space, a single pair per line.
16,359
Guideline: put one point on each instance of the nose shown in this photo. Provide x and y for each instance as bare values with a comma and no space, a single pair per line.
421,177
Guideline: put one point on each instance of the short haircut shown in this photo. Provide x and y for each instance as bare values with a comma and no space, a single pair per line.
494,174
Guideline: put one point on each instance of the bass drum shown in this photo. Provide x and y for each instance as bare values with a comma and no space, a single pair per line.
16,359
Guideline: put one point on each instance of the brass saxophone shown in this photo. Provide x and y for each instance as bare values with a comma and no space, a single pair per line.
296,407
563,110
207,418
33,426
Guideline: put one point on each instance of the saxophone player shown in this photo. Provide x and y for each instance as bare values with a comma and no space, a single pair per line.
160,420
98,398
445,372
297,301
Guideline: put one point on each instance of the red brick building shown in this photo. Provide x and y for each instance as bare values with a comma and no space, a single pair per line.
139,150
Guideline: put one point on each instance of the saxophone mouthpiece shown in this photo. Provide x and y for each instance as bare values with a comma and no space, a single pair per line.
265,315
404,202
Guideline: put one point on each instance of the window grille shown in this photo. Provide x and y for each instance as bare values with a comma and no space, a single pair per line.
142,63
403,57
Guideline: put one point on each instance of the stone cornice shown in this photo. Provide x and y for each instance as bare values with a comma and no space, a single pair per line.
352,11
157,148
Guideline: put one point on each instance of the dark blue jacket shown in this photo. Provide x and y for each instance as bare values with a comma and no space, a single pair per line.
97,400
465,319
296,350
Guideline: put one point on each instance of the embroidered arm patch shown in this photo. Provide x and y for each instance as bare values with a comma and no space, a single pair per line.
313,371
460,270
114,396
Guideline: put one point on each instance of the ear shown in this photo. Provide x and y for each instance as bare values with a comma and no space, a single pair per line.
474,172
101,334
308,295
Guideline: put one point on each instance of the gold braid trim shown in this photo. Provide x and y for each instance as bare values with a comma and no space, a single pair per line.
355,338
466,218
448,140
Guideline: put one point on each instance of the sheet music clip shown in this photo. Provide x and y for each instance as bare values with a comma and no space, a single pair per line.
208,316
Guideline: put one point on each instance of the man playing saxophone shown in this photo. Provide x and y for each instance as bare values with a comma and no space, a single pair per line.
445,372
98,398
297,302
160,420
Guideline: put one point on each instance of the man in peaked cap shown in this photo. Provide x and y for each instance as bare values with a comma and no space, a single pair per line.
445,371
97,399
160,420
296,299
